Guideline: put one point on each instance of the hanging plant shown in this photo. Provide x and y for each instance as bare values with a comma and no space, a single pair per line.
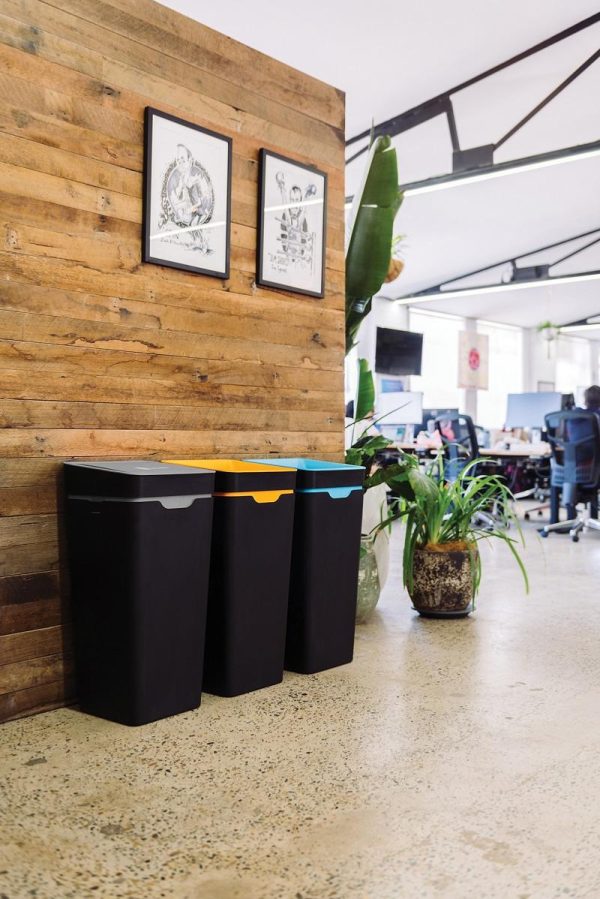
550,332
396,266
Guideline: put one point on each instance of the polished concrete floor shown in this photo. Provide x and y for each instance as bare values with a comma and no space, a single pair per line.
451,759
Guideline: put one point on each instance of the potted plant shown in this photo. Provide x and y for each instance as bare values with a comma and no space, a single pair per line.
441,562
550,332
365,445
377,517
396,266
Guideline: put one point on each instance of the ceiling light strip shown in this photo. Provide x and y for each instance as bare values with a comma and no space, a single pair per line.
494,288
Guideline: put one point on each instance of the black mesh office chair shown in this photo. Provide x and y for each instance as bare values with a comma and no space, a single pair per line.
459,438
575,441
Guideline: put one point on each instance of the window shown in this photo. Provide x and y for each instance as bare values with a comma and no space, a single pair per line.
439,371
505,372
573,365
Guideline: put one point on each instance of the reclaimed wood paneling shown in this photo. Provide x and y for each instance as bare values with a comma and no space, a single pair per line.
101,355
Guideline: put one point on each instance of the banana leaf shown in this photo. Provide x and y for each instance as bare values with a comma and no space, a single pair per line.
365,395
370,233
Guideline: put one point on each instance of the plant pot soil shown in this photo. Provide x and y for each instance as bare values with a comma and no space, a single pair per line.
443,580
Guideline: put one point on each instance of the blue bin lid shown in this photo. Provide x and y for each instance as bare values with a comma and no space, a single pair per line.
316,474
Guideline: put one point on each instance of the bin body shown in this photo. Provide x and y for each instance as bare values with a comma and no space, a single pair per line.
249,579
139,558
325,559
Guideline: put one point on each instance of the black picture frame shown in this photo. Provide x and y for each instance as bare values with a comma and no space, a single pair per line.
269,258
179,251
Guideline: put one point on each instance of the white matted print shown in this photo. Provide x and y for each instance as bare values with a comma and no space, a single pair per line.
473,356
187,195
291,225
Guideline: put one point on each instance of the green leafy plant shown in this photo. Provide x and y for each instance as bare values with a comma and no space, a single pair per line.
445,514
364,448
550,332
365,395
369,249
370,233
364,451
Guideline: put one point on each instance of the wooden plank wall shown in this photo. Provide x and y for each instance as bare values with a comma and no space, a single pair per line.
103,356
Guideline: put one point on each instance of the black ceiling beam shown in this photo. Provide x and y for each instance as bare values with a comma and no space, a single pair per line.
498,167
523,161
425,111
583,322
436,288
577,251
557,90
407,120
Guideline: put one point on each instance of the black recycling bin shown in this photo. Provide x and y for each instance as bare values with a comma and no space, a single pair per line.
139,536
249,575
325,558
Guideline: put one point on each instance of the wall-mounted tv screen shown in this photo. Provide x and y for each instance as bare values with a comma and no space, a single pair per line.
398,352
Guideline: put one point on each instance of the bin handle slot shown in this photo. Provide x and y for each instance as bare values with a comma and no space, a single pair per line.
260,496
167,502
334,492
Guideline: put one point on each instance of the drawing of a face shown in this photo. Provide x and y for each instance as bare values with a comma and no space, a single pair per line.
184,159
295,197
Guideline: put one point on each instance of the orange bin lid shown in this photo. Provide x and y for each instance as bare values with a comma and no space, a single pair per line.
233,465
234,477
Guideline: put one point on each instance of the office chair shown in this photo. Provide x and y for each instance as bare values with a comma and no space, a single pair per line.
575,441
539,471
459,439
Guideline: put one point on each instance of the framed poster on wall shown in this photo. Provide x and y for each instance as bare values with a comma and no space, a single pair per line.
292,220
187,195
473,353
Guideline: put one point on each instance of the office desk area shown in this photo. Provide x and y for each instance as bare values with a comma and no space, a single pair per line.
516,451
520,451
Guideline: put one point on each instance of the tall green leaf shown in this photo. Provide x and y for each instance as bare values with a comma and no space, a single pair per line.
370,232
365,395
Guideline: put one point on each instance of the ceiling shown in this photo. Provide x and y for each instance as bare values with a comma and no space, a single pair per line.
390,56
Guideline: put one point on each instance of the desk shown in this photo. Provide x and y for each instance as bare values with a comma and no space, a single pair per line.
417,448
515,453
518,452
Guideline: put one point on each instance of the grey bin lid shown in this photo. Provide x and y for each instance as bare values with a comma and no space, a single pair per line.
136,479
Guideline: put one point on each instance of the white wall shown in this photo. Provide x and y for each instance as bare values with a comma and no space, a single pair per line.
541,360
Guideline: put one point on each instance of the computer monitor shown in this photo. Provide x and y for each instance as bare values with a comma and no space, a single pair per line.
401,407
528,410
429,415
567,402
398,352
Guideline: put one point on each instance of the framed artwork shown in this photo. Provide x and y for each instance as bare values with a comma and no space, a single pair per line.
187,195
473,355
292,218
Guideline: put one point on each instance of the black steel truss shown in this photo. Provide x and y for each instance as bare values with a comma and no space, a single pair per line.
538,274
476,158
497,169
